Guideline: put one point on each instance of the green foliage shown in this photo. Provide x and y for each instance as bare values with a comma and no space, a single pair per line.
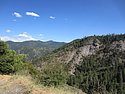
102,72
27,69
9,59
104,39
3,47
54,74
6,68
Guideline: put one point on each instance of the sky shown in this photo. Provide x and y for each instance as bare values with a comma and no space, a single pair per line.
60,20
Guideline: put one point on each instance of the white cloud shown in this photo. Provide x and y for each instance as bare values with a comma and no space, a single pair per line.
16,14
8,30
32,14
4,38
25,36
40,34
19,38
52,17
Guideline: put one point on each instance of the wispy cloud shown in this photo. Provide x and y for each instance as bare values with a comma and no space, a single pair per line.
52,17
32,14
16,14
25,36
8,30
18,38
40,35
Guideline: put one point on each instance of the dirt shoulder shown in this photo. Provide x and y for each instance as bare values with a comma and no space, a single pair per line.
18,84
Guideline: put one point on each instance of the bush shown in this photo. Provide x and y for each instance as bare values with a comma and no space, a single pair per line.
6,68
10,61
54,74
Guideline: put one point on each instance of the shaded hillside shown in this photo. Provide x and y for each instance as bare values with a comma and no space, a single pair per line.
34,49
96,63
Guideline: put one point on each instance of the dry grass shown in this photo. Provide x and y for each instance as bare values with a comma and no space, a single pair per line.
25,85
4,79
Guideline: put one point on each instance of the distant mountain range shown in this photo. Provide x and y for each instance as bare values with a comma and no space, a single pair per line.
34,49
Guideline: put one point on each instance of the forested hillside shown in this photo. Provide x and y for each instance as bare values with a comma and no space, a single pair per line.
17,76
34,49
96,63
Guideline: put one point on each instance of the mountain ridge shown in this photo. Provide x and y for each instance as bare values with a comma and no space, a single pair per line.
34,49
79,48
95,63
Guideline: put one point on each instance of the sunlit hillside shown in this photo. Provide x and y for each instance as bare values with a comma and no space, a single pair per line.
18,84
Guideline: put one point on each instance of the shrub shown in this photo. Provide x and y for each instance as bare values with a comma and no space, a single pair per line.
54,74
10,61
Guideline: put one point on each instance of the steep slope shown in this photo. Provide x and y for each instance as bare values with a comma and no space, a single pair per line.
96,63
34,49
77,49
67,53
73,52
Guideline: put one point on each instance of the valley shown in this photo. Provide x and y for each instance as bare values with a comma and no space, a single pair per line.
94,64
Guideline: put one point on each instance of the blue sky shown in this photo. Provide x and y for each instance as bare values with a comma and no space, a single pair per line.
60,20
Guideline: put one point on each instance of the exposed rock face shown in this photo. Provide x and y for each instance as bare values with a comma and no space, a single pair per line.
73,55
74,52
76,55
118,44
